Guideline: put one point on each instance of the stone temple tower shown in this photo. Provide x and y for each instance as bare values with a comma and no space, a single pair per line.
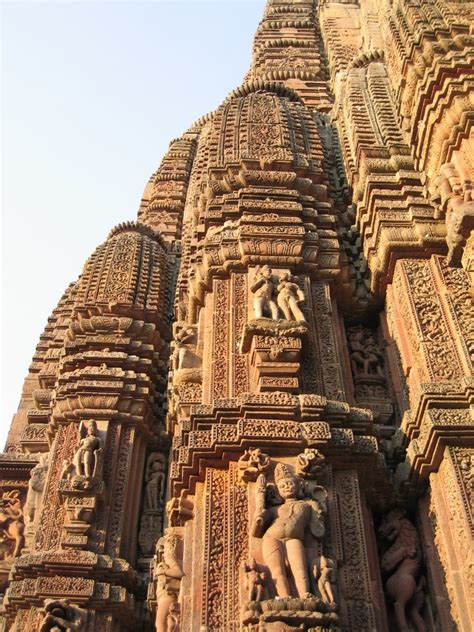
253,410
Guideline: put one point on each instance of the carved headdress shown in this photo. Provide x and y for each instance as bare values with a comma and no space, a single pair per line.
282,472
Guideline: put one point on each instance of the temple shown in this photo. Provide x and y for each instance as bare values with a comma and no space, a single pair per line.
253,409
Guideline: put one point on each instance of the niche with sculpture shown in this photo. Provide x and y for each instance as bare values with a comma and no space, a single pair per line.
288,578
401,562
275,332
369,371
81,486
151,521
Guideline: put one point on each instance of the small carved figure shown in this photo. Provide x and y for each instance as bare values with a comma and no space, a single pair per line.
183,338
11,525
286,531
327,580
155,481
309,463
168,574
166,598
88,457
166,551
252,463
35,489
67,470
365,356
289,295
254,581
402,563
263,294
62,616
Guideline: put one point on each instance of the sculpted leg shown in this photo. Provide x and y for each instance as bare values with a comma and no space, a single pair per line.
274,555
273,309
258,307
296,558
283,305
295,308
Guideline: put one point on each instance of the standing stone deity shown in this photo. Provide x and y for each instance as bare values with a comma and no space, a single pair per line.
88,457
35,489
290,533
263,294
155,481
289,295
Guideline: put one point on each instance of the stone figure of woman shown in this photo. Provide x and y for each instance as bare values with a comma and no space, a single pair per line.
289,297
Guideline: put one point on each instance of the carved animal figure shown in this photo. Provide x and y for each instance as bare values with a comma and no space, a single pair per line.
11,523
402,563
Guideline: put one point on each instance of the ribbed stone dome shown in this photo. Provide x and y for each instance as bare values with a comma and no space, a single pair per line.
265,122
128,270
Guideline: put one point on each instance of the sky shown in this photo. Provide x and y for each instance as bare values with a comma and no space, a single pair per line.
91,95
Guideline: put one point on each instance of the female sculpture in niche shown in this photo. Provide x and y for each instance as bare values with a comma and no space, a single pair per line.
155,481
88,457
290,532
289,295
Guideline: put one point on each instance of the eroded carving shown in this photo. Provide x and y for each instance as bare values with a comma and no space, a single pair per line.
62,616
167,573
401,563
252,463
11,525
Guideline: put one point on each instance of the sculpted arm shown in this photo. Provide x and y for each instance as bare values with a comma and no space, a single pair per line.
316,524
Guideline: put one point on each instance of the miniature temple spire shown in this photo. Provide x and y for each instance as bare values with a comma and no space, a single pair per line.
288,47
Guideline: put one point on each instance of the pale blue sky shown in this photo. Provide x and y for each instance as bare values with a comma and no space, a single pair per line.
92,93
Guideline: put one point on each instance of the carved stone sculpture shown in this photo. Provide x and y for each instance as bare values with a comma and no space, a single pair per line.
168,574
309,463
88,456
366,358
289,297
35,489
252,463
254,580
11,525
401,563
286,531
62,616
155,481
184,340
327,580
264,294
